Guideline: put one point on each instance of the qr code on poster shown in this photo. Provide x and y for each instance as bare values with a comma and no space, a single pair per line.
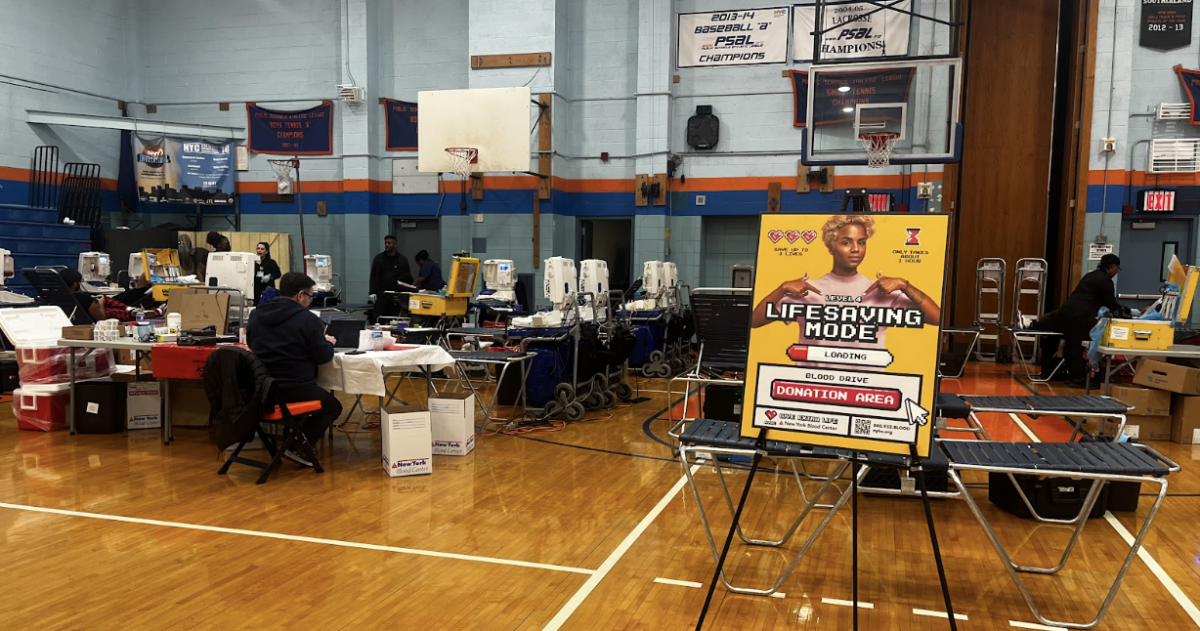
862,426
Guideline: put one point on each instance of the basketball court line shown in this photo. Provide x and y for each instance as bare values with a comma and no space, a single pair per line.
300,538
939,614
671,581
1024,428
598,575
1186,603
1163,577
847,603
1032,625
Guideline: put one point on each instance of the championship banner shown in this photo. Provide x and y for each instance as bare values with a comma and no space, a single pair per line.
1191,87
732,38
841,91
183,171
853,30
1166,24
304,133
401,119
844,337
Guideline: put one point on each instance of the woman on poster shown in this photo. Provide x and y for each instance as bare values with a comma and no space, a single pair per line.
846,237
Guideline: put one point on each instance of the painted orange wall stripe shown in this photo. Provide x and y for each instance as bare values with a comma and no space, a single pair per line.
1141,178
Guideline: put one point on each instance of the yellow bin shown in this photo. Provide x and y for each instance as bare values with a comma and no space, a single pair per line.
1149,335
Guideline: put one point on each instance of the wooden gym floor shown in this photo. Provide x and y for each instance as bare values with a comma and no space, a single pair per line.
591,527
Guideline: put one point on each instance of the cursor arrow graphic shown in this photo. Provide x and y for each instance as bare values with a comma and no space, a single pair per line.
917,415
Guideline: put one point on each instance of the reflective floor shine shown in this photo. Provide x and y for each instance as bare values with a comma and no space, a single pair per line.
590,527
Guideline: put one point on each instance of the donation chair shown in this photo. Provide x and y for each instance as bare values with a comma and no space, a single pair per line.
52,291
240,391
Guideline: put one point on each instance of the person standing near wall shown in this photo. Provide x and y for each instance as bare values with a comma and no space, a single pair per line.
266,270
388,270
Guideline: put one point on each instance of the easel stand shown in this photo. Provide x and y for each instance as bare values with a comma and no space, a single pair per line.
856,463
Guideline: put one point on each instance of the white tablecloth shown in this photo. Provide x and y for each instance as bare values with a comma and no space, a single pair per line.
364,374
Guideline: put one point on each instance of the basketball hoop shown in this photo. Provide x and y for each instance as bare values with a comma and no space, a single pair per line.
461,159
283,174
879,147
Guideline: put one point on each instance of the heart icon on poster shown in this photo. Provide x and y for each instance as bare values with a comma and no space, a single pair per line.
775,235
792,236
809,236
771,414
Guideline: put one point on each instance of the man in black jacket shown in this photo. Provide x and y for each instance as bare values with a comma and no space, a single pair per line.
388,267
291,342
1077,315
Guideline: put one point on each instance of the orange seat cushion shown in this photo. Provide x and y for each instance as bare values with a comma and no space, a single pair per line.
295,409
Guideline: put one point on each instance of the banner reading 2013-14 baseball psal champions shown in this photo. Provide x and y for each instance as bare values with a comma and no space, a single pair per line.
844,334
732,38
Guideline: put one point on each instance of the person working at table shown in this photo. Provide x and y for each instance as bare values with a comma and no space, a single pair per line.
429,276
291,342
388,270
1076,317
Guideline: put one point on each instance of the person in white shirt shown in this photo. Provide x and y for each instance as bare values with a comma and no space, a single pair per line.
846,238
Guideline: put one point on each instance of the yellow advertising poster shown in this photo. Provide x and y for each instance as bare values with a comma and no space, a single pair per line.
844,334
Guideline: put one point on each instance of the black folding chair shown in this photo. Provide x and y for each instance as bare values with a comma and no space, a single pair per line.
722,324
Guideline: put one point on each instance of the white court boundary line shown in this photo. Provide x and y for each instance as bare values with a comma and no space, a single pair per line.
939,614
589,585
1163,577
1033,625
847,603
1186,603
671,581
280,536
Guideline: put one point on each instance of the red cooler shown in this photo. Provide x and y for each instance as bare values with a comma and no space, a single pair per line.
42,408
35,332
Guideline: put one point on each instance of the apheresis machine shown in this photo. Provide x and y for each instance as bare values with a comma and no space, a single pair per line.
561,287
96,269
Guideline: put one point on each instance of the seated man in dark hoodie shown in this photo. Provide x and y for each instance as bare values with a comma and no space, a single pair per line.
291,342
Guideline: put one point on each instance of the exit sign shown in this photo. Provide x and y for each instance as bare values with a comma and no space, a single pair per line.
880,202
1158,201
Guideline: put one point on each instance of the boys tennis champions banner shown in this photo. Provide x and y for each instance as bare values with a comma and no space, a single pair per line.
401,119
845,329
183,171
304,133
841,91
732,38
853,30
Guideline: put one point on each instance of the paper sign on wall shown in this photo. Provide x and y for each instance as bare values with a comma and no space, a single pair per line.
844,336
1096,251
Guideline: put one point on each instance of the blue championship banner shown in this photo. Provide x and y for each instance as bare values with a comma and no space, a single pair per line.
184,171
841,91
401,118
304,133
1191,87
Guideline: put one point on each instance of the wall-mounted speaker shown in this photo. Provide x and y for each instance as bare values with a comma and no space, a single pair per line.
703,129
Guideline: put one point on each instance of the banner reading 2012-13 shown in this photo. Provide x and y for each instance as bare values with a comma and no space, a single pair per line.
844,334
732,38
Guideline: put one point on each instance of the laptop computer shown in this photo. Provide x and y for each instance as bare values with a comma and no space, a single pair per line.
346,332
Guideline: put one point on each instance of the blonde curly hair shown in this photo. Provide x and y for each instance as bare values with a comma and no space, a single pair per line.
837,222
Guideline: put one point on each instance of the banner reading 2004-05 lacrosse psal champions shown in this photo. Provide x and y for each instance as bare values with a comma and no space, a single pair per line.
732,38
853,30
844,334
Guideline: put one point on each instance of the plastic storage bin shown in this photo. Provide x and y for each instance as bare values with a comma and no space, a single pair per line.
35,332
42,408
100,408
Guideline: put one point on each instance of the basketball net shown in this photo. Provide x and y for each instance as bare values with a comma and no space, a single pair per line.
462,161
283,173
879,147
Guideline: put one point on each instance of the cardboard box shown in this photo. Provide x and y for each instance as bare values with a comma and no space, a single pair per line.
1148,427
1145,401
199,309
453,415
407,441
1171,377
1185,420
189,404
77,332
143,405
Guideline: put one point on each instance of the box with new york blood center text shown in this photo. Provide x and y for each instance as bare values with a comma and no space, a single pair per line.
407,441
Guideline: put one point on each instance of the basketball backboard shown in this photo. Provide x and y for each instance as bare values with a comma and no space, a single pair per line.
495,121
916,99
